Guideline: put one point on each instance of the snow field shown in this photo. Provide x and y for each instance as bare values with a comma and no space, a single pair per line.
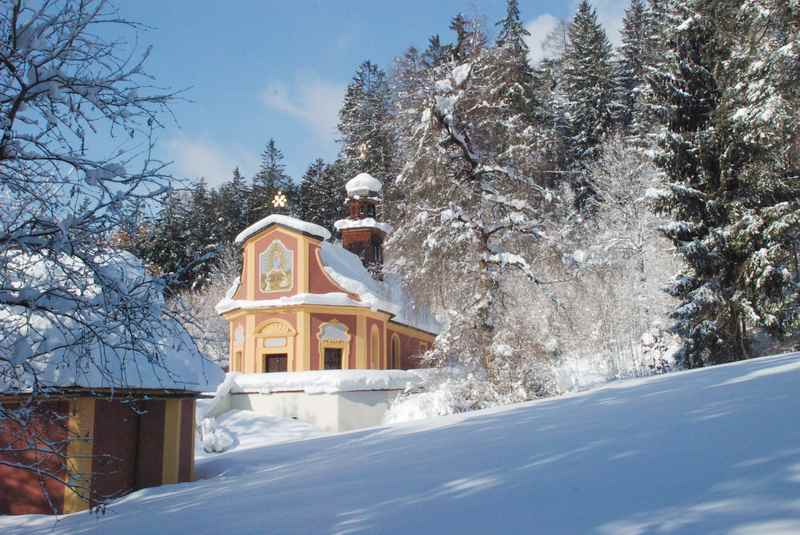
701,452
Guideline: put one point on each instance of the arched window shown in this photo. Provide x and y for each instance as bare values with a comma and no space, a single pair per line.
394,353
375,349
334,345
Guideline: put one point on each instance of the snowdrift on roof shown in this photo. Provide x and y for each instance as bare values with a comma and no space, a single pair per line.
363,184
367,222
287,221
68,330
347,271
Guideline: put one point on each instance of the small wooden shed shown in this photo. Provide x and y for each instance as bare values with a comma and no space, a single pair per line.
105,445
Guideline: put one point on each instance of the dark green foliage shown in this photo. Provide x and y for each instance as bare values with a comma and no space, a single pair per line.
589,84
270,179
321,194
733,200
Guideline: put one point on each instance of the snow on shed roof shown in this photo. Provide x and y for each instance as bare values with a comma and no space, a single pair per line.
286,221
363,184
62,344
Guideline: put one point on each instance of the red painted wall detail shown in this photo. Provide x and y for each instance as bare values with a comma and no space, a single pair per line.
409,350
21,491
370,357
319,282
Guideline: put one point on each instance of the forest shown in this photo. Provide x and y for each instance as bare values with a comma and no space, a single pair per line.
613,210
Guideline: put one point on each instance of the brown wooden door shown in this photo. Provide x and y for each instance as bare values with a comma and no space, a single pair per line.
333,358
276,363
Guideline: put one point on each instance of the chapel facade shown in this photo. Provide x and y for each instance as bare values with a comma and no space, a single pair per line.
304,303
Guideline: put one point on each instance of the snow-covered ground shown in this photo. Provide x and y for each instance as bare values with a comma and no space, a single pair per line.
700,452
242,430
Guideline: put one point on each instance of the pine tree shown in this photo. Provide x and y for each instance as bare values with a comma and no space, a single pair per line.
437,53
632,68
730,187
364,121
233,199
763,103
270,179
589,84
517,82
470,39
511,118
321,195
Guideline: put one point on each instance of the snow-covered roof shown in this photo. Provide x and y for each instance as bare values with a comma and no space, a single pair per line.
72,337
363,184
367,222
349,273
286,221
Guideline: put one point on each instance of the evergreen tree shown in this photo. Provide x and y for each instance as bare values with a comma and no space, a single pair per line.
321,195
631,68
470,39
270,179
732,195
233,200
364,121
436,53
589,84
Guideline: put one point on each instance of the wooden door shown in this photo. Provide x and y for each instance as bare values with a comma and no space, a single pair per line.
278,362
333,358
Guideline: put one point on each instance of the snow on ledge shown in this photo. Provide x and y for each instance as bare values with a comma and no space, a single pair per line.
326,381
286,221
332,298
368,222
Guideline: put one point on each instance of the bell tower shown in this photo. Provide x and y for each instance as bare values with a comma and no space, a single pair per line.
361,233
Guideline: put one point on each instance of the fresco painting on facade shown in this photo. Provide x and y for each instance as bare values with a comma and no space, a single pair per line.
276,268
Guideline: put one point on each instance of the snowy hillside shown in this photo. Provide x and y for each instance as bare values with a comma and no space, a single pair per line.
707,451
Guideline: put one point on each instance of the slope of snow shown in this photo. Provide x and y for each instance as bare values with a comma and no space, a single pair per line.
286,221
248,430
701,452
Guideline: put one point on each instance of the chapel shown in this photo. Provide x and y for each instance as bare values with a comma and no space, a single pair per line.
303,302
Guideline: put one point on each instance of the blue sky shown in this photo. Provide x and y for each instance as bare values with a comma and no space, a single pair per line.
260,69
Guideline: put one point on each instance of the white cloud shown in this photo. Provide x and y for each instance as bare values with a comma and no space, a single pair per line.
609,13
196,157
539,28
313,101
